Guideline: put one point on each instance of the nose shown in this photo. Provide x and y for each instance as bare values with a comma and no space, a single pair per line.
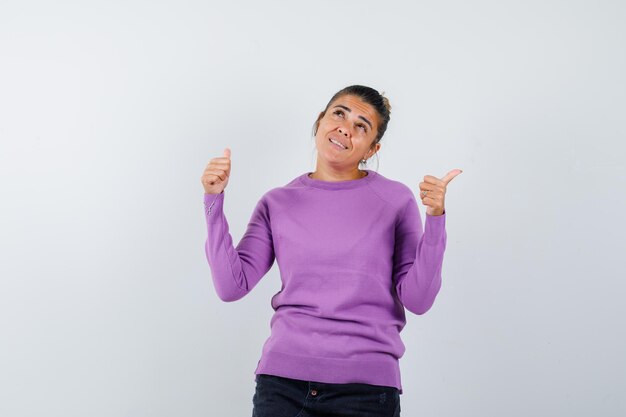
343,131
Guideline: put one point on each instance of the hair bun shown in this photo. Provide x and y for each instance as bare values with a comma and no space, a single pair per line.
386,101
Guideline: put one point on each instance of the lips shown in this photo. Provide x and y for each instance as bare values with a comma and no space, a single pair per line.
337,140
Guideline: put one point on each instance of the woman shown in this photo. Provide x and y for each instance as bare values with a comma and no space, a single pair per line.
352,257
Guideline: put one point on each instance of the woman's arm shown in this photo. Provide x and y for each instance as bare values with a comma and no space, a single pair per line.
418,258
235,271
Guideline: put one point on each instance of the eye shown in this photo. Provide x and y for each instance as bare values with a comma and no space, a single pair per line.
362,126
338,112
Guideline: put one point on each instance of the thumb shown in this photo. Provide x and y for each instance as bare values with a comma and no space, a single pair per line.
227,152
450,175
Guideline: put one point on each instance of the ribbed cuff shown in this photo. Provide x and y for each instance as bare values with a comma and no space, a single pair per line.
213,203
434,229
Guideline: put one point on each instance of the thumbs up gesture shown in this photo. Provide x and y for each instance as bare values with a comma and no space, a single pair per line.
215,176
433,192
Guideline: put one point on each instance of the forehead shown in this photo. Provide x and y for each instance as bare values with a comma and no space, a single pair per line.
358,107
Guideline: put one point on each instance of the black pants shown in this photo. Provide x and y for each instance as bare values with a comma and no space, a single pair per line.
277,396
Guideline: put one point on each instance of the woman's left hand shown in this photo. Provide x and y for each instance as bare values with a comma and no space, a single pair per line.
433,192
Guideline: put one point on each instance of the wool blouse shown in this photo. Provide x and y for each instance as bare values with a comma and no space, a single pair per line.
353,257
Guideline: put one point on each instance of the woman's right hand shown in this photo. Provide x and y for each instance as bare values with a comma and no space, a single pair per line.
215,176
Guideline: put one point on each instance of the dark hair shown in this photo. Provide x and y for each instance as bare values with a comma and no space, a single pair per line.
371,97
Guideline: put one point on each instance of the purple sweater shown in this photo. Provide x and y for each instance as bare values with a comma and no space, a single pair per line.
352,256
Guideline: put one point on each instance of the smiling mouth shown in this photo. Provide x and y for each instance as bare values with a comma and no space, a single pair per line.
339,145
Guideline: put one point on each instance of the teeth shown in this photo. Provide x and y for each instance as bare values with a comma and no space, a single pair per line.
334,141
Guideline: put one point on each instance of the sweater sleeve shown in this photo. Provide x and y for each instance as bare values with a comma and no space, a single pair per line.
236,270
418,258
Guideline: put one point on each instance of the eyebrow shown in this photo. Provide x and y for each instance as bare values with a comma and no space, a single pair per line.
349,110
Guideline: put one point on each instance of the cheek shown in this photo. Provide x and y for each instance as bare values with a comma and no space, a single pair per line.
319,138
323,128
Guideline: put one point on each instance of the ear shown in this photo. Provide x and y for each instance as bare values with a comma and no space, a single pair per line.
374,149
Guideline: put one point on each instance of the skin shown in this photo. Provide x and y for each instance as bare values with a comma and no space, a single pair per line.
345,120
433,192
335,164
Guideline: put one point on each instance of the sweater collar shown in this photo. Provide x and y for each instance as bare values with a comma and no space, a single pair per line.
337,185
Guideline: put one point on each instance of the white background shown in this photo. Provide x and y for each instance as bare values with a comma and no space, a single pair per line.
110,110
